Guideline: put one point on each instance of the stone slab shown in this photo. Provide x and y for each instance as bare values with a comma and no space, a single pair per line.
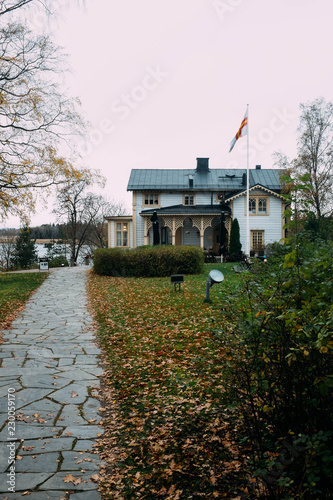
74,460
41,495
57,482
33,446
85,431
85,495
24,481
85,445
45,462
70,394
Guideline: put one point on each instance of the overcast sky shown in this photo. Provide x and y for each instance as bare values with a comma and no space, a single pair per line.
163,82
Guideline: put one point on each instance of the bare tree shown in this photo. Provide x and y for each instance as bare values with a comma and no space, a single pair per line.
315,157
36,119
8,6
77,209
84,214
7,248
100,208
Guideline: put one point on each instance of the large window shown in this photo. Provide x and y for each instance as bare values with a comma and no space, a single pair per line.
257,240
122,234
189,199
258,205
151,199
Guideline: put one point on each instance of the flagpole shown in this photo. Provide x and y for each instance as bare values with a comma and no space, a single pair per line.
248,189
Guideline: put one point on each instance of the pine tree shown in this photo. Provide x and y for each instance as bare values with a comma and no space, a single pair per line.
25,251
235,246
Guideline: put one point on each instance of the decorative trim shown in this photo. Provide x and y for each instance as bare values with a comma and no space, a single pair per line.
257,186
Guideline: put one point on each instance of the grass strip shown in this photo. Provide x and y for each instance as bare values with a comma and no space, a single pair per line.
15,290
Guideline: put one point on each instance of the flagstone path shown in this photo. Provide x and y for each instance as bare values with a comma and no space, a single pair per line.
49,369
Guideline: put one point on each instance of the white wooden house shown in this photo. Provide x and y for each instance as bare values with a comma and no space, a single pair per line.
189,202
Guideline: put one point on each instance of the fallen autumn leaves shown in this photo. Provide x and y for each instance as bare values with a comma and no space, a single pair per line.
168,426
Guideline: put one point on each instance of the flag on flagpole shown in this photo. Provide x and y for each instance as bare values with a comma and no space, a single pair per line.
242,131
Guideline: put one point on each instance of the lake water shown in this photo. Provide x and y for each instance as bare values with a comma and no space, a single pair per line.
42,252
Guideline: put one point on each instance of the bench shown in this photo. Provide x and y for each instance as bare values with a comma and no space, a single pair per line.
177,279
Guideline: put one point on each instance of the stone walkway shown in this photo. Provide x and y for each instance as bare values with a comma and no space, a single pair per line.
50,366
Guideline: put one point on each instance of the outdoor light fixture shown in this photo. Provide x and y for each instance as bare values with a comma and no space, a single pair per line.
214,276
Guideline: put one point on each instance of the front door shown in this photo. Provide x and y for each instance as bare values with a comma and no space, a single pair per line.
179,233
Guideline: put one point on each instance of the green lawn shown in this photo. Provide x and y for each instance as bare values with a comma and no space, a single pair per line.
170,422
15,289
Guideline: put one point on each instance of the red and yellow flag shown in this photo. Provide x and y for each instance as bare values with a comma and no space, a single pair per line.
241,132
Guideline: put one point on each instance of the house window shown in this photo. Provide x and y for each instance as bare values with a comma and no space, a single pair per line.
151,199
258,205
262,205
252,205
189,199
257,240
122,234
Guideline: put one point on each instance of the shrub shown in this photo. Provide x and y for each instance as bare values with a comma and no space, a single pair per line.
235,246
58,261
148,261
281,349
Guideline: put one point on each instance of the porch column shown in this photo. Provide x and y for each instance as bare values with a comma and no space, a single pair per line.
173,232
202,233
148,225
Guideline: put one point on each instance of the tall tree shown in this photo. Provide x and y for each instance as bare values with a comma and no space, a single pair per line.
314,157
25,251
36,119
79,210
235,246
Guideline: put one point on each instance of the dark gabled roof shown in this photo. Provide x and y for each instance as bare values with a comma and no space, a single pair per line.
217,179
185,209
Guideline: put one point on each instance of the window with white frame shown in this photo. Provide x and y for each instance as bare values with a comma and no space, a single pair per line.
189,199
258,205
122,234
151,199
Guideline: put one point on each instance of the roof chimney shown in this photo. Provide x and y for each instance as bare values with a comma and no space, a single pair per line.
202,165
258,167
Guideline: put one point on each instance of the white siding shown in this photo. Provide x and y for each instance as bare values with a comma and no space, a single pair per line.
205,198
271,223
169,199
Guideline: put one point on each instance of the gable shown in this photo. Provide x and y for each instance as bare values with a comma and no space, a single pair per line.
254,190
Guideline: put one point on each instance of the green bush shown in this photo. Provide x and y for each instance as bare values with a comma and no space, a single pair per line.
148,261
58,261
281,356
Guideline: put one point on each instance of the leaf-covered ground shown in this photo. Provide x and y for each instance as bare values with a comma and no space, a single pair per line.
15,289
170,432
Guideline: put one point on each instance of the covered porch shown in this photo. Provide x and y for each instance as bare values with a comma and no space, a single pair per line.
194,226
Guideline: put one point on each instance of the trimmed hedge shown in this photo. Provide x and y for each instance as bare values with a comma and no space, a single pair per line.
148,261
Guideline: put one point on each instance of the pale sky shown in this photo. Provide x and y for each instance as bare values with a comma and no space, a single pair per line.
163,82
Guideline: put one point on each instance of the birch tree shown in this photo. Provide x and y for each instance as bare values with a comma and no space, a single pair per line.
314,161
